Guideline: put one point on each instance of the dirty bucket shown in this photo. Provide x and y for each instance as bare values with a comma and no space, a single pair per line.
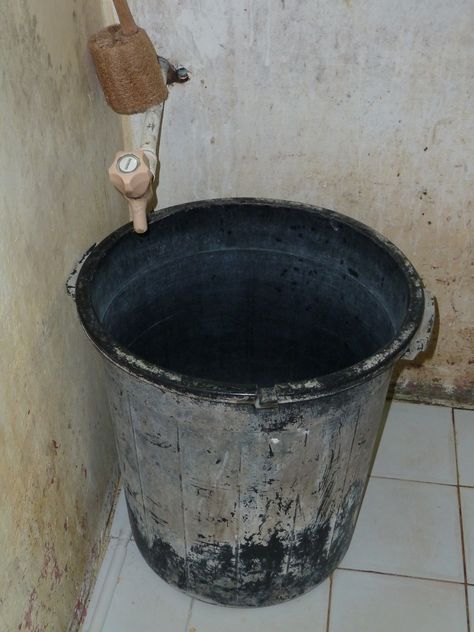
249,346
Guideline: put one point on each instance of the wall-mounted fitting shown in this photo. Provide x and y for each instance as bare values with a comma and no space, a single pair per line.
173,74
130,173
182,74
133,172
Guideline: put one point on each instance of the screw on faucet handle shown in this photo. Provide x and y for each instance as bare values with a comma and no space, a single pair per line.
128,163
130,173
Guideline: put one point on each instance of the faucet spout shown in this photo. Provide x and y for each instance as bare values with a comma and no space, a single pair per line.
138,208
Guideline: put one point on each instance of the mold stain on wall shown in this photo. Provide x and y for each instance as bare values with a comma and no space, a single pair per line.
58,467
362,107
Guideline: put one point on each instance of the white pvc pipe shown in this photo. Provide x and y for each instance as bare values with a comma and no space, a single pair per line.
152,126
151,134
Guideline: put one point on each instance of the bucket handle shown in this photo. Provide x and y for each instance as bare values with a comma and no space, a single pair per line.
421,339
72,278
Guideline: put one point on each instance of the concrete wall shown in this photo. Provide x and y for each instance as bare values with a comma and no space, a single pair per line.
362,107
57,465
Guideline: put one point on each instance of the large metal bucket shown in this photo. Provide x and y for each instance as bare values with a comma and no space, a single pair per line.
249,346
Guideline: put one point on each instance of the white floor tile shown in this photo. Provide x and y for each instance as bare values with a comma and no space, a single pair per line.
303,614
409,529
120,524
417,444
465,445
368,602
142,602
470,597
102,578
467,504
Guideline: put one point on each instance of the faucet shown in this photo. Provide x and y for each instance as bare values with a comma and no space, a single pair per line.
133,172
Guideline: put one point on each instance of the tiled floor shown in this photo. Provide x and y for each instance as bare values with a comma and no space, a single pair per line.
410,567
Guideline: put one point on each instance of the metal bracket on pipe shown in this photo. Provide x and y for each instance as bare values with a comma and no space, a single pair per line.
422,337
72,278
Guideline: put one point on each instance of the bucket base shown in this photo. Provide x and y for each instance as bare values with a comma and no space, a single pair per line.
217,582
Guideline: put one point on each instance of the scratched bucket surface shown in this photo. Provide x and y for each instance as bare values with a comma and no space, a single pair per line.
249,346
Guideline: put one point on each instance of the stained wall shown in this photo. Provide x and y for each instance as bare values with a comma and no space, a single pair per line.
57,465
362,107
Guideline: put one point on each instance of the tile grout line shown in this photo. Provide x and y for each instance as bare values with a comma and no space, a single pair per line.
463,549
328,616
412,480
128,537
107,590
188,617
418,577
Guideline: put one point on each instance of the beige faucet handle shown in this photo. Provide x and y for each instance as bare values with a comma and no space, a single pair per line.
130,173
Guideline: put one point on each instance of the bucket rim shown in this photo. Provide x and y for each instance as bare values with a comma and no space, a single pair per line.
284,392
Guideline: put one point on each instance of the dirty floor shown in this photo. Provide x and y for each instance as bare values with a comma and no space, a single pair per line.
410,566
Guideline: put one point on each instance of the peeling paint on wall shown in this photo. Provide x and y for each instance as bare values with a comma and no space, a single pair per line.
362,107
58,468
